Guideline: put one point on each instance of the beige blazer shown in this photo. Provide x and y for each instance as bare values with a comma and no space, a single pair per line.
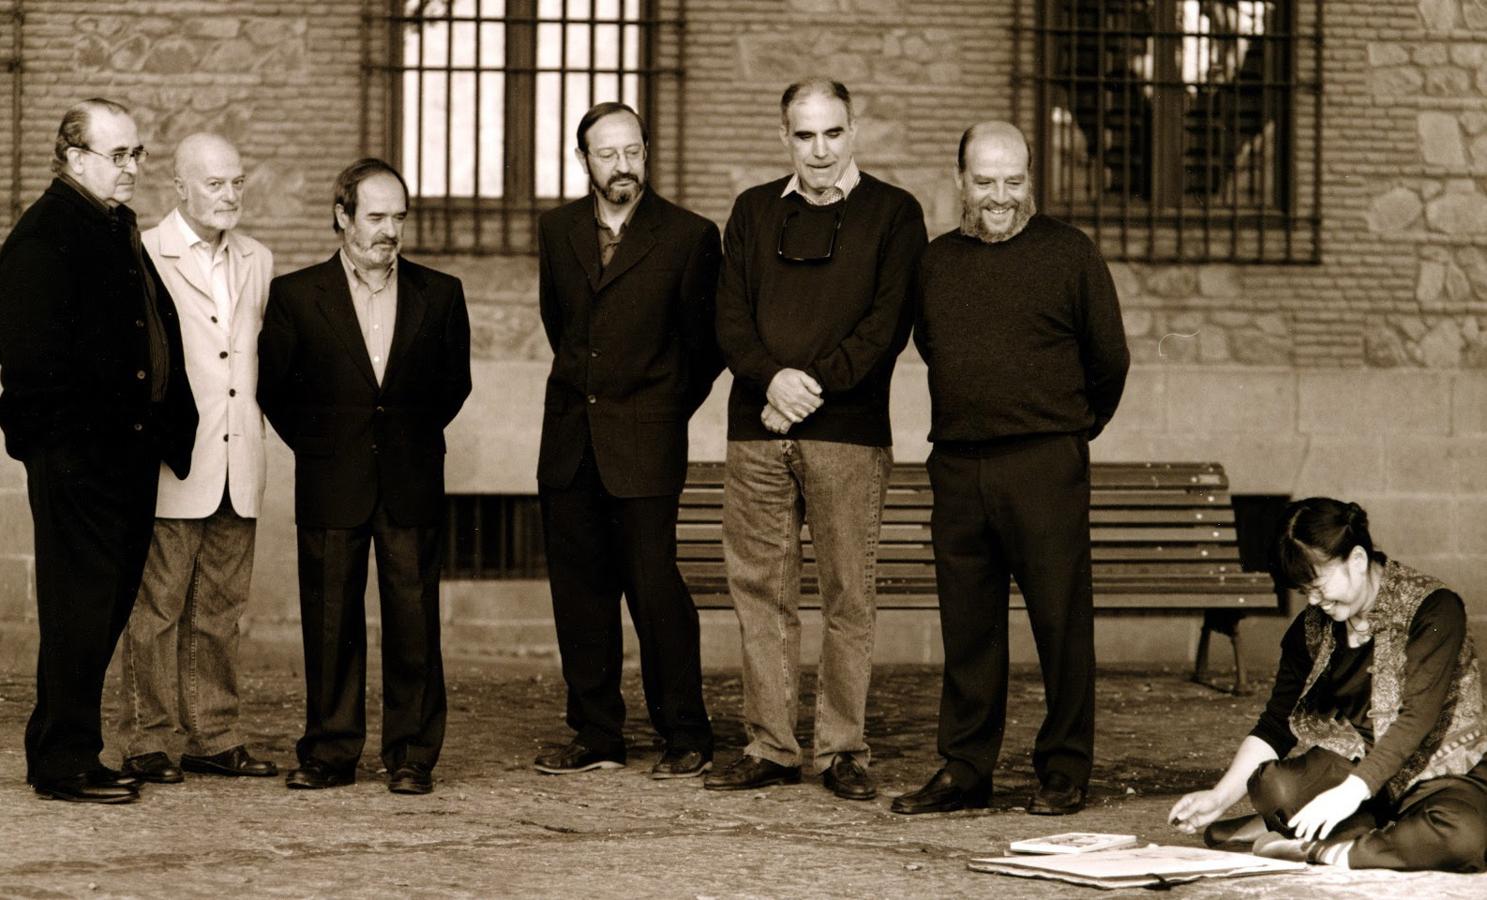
223,369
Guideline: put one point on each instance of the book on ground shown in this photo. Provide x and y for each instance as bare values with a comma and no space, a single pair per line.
1147,866
1073,842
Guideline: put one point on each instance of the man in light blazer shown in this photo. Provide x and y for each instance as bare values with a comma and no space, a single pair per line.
363,360
626,285
181,646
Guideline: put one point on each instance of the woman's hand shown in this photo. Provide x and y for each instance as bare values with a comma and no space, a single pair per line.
1317,818
1196,810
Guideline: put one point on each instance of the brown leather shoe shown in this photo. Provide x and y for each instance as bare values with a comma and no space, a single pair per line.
940,794
748,772
233,761
154,767
1057,796
849,779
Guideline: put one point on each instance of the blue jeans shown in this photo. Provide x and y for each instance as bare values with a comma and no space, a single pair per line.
770,489
181,647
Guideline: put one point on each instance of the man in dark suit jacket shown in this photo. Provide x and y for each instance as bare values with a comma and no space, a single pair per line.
363,360
627,281
95,397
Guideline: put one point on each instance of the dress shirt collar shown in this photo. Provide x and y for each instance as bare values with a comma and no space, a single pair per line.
845,183
192,238
354,276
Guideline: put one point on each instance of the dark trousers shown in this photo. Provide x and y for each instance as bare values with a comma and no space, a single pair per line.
599,547
1021,510
1439,824
94,511
332,586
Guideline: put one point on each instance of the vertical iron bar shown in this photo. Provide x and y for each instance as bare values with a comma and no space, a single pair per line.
562,101
647,56
418,221
1209,95
1041,108
448,125
477,243
17,104
1130,100
1101,95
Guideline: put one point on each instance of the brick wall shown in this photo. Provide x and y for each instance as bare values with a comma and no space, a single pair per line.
1365,376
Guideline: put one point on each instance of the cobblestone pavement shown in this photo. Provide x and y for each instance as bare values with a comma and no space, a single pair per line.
494,827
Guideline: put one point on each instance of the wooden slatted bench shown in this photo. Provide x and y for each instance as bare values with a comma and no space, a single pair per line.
1162,538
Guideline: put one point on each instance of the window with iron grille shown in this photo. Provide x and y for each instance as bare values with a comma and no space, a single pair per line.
1178,130
494,536
480,99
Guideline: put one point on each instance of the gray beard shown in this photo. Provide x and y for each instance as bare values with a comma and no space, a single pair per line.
621,193
972,225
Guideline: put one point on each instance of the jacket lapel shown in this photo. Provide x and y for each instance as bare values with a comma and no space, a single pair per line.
584,237
636,242
409,316
241,253
335,304
173,247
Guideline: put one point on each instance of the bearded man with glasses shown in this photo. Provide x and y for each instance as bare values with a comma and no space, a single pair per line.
95,397
626,284
811,319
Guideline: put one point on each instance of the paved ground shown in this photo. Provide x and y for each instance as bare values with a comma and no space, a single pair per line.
496,828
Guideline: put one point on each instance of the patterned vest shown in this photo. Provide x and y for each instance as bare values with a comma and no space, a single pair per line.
1456,742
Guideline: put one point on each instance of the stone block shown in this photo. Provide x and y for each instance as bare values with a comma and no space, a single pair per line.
1457,213
1440,140
1410,526
1439,15
16,535
1340,467
1469,403
1357,401
1471,525
1381,54
1230,399
17,589
493,441
1143,405
1394,210
1420,465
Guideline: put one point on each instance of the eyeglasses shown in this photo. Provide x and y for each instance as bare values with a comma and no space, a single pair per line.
120,158
633,154
794,257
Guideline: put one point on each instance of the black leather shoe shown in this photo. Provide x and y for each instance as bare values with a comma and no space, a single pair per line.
681,764
940,794
411,778
748,772
234,761
153,767
1058,796
87,787
849,780
314,775
576,757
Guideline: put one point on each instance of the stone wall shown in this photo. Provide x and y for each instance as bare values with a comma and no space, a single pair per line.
1364,376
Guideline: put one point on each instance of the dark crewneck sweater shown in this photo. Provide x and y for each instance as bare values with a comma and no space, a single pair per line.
843,320
1022,337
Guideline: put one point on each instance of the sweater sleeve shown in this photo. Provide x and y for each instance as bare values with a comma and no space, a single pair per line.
1435,637
1274,725
1102,342
738,332
884,331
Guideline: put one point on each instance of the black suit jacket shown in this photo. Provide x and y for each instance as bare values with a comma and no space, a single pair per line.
74,340
354,441
634,350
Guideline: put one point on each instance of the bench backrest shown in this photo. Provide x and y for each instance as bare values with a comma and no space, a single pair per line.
1162,536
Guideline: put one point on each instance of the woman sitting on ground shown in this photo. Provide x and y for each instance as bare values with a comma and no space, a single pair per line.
1380,693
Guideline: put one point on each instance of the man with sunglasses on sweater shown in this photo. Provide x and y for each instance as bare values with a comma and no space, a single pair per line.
811,318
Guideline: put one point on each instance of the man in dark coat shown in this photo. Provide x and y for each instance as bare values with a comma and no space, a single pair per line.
95,398
363,360
627,282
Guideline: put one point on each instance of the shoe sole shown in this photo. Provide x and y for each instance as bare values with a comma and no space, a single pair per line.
768,782
696,773
66,798
299,786
601,764
410,788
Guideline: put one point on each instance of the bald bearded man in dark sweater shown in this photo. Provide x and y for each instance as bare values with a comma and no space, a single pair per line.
1020,326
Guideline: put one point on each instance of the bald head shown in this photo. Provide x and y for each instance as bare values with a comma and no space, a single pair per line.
209,182
996,192
1004,134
